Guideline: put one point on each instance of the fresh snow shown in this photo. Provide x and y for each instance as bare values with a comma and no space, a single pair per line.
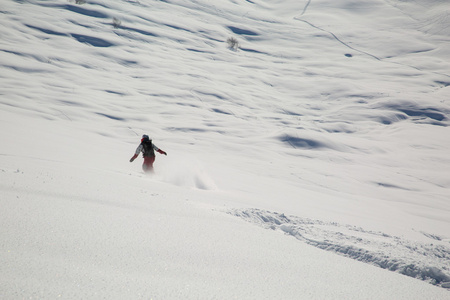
309,162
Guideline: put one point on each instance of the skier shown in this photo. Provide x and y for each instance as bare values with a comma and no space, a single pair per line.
148,152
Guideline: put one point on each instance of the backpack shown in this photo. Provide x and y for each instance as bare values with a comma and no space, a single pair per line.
148,148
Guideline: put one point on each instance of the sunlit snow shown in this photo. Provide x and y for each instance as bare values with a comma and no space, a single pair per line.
308,160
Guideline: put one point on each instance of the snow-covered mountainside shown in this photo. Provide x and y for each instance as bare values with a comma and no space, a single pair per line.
324,123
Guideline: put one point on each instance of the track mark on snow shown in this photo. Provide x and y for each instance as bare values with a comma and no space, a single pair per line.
306,7
337,39
429,262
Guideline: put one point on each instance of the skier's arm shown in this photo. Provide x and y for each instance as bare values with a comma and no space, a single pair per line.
138,150
159,150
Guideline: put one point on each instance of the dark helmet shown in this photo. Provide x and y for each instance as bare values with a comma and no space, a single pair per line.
145,138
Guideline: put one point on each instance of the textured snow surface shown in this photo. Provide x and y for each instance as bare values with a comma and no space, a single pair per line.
326,126
426,261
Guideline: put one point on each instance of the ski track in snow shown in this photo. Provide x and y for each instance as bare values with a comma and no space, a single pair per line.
426,261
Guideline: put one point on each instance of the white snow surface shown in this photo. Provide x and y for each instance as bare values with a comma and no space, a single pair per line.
309,162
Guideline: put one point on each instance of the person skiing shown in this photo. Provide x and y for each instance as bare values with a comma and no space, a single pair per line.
148,153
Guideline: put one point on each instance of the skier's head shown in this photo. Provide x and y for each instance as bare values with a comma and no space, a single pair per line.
145,138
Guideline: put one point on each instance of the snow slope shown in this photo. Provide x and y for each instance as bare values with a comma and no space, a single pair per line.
328,127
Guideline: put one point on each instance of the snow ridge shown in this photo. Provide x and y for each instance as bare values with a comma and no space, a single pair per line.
425,261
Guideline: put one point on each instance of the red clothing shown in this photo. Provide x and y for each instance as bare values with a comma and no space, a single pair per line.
147,166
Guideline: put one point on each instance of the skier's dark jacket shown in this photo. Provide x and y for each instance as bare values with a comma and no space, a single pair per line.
147,148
